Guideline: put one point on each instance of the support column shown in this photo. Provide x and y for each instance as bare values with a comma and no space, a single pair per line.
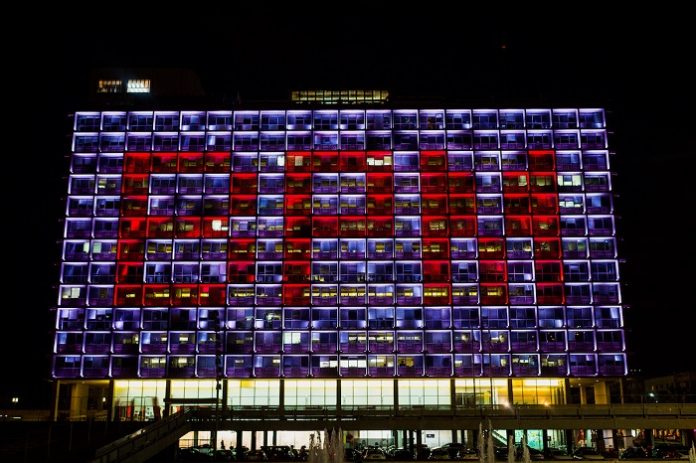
167,397
419,443
404,439
511,398
466,438
55,390
649,438
396,396
454,436
275,438
265,438
240,454
410,440
570,440
545,443
395,436
253,440
281,399
476,440
195,438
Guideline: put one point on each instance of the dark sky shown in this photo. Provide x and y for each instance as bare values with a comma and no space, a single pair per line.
634,65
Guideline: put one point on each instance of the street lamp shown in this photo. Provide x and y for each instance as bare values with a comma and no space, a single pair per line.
15,400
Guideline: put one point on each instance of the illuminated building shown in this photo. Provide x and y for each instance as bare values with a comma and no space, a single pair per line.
339,258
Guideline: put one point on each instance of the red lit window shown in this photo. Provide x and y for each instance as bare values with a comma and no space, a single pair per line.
298,183
133,250
436,248
243,205
132,227
547,248
549,293
491,248
544,203
433,183
545,225
129,272
217,162
548,271
190,162
541,160
128,295
324,226
298,295
298,248
518,225
298,161
160,227
433,161
133,206
242,249
516,204
380,205
325,161
352,226
156,295
135,184
515,182
545,181
462,204
138,163
215,227
435,226
492,293
213,295
492,271
296,271
241,272
163,162
380,161
185,295
463,225
297,226
380,226
298,204
461,182
188,227
244,183
353,161
434,204
436,271
380,183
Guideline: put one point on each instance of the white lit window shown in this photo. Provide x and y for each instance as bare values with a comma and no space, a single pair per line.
138,86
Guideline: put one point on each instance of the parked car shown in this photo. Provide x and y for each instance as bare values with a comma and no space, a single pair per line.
587,453
440,453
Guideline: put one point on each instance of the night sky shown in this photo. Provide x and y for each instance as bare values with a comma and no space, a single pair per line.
633,66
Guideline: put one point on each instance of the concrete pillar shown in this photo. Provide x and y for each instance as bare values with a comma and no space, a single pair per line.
265,438
195,438
275,437
404,439
395,436
466,438
600,440
419,443
338,397
410,440
649,438
396,395
167,398
454,436
281,399
475,440
240,454
545,440
570,440
253,440
511,398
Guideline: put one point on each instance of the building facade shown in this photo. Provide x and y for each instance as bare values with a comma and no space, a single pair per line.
337,258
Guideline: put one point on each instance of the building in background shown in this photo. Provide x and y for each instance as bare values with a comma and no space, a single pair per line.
337,258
